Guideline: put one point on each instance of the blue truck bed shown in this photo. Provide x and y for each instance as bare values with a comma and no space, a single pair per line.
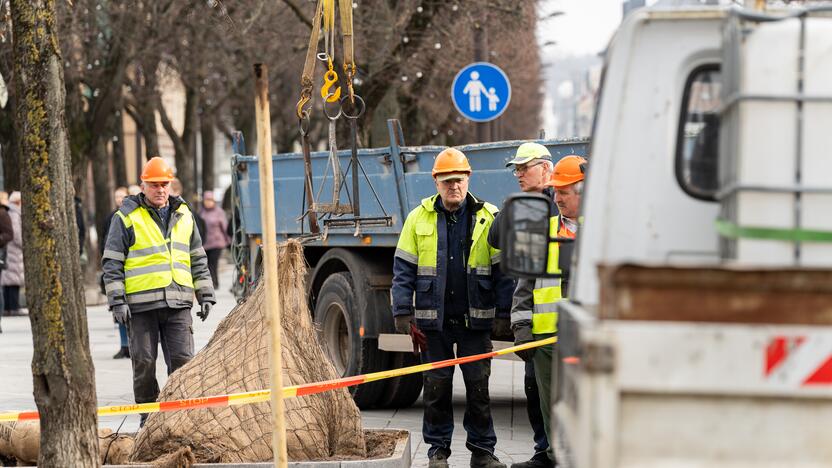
400,176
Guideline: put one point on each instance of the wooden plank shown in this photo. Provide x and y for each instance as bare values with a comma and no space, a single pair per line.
394,342
716,294
264,156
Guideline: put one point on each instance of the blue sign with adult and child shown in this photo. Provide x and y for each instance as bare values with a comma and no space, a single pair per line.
481,91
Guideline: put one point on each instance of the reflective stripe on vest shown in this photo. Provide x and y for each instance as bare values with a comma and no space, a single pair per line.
547,291
153,262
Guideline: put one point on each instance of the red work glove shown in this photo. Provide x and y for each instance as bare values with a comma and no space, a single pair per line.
420,341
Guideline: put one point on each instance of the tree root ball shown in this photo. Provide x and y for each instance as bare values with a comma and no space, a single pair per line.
236,359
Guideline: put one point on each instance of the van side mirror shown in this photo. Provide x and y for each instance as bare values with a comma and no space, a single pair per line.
524,235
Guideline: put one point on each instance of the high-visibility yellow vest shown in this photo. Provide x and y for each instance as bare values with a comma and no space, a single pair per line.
153,261
422,249
547,291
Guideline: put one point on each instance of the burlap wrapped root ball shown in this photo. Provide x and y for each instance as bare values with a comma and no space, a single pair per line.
236,359
21,441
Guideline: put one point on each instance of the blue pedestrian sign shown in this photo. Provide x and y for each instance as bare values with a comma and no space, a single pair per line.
481,92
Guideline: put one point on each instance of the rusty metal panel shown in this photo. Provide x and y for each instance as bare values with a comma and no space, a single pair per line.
716,294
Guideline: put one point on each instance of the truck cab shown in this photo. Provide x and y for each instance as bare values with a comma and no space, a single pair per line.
697,327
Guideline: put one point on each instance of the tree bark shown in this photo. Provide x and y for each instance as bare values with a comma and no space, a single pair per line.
64,382
103,186
143,109
79,137
144,115
208,135
119,164
10,143
183,146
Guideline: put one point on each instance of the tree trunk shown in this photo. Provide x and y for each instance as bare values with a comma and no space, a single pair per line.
11,141
64,382
375,124
103,184
147,110
183,144
208,136
145,106
79,130
147,117
119,163
187,171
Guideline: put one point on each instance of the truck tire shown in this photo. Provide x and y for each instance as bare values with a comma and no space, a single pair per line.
402,392
336,320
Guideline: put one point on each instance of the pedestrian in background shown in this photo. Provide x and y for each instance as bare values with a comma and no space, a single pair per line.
6,236
153,264
12,277
442,258
124,350
216,238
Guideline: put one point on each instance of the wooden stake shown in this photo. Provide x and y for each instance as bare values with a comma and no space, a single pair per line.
264,156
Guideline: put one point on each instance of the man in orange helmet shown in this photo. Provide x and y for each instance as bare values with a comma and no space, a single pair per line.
533,168
153,265
534,310
442,258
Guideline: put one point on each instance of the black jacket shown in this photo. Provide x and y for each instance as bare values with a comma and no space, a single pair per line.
6,229
494,232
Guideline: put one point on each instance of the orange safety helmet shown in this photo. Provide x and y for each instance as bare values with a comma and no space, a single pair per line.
568,171
450,160
157,170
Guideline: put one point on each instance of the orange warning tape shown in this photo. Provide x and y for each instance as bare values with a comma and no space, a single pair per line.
261,396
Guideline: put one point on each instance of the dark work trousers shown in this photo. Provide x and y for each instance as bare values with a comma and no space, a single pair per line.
170,327
438,422
11,298
546,382
533,410
213,261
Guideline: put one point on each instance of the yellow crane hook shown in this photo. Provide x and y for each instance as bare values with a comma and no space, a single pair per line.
330,78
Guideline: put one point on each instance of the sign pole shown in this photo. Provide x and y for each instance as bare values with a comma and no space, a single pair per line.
273,308
483,128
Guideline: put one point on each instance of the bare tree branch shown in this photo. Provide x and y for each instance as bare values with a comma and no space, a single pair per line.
298,12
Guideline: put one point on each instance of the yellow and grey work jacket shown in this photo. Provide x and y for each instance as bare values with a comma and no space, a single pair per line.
535,302
420,268
149,265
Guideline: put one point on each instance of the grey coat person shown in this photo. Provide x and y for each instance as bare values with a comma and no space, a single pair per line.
174,296
13,275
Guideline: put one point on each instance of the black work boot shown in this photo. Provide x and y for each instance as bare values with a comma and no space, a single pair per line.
122,353
439,459
142,419
483,459
539,460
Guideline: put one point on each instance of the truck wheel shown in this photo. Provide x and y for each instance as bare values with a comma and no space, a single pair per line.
402,392
336,319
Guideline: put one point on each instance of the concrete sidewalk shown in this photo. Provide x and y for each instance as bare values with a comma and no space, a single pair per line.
114,384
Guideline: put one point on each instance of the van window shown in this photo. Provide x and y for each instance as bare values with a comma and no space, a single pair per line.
697,141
